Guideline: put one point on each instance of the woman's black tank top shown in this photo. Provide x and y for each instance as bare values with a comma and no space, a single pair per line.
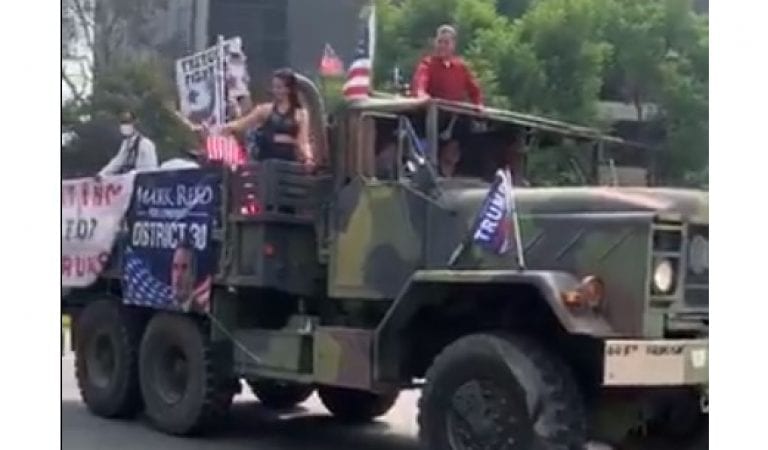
279,123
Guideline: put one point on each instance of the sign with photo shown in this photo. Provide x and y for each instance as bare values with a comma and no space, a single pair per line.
169,261
200,85
208,80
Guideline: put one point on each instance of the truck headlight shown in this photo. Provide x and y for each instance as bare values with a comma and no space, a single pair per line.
663,276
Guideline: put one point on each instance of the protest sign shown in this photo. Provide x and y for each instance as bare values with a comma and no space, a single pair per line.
168,261
91,214
236,70
207,80
200,85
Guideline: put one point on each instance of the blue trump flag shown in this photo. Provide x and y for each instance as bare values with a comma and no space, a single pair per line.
496,227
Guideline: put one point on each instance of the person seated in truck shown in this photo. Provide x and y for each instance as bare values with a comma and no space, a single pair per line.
448,158
513,156
283,123
386,158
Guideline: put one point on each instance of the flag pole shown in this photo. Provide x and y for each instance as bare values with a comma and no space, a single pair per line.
457,252
515,219
221,88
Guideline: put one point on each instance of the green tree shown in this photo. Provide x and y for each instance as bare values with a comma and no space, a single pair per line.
512,9
406,29
661,58
560,58
144,87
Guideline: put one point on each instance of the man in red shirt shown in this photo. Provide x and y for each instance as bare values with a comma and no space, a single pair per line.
443,75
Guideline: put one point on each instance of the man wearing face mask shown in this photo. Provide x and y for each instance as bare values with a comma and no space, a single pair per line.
136,151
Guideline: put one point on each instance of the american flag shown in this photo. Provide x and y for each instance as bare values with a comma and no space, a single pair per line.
224,148
359,76
330,64
141,288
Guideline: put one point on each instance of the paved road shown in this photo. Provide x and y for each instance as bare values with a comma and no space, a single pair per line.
250,427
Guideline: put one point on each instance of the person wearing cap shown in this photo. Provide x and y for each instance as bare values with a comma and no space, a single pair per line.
444,75
136,152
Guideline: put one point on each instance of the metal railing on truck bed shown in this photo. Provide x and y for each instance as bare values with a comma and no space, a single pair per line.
272,237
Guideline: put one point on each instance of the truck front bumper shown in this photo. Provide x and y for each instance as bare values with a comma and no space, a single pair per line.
662,362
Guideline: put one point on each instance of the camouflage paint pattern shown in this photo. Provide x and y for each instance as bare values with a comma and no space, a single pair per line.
580,231
342,357
377,241
278,351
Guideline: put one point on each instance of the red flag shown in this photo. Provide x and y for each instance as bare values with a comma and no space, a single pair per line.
331,65
225,149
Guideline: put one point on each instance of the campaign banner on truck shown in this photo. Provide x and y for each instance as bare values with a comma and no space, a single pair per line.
169,261
91,214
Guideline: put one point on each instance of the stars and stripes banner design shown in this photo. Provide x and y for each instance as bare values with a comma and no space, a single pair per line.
360,73
224,148
142,288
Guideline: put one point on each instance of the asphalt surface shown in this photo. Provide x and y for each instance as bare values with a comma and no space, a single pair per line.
251,427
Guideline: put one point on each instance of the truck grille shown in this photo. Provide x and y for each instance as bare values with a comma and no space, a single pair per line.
697,267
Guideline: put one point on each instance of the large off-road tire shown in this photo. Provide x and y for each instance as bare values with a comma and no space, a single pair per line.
501,392
679,418
183,393
106,365
352,405
276,394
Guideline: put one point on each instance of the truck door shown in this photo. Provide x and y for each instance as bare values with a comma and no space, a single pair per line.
378,222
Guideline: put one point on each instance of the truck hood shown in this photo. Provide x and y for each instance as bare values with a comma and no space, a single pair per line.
673,203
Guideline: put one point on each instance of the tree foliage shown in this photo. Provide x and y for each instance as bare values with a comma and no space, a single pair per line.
562,57
94,39
142,86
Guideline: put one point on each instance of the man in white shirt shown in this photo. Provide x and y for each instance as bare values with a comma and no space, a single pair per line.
137,152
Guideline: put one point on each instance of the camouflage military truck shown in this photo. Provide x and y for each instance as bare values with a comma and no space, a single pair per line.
347,282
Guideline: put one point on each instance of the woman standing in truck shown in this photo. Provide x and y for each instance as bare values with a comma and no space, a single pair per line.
283,123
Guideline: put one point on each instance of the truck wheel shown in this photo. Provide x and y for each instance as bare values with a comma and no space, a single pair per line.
106,360
352,405
679,418
182,392
275,394
497,391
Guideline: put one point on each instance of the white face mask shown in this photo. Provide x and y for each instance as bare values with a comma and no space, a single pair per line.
126,129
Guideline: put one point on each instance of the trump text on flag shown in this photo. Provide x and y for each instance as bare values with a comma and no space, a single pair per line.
491,220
